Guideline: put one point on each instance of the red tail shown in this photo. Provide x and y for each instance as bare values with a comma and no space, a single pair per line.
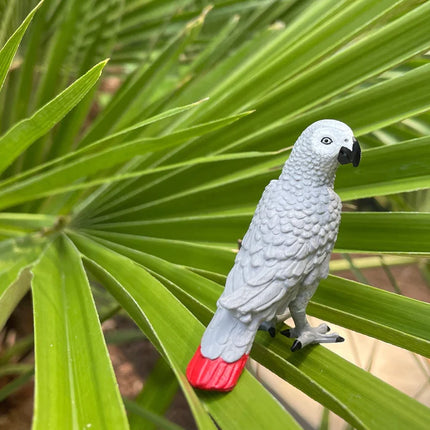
217,374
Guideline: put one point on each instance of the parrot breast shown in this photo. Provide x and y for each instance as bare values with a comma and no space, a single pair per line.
287,247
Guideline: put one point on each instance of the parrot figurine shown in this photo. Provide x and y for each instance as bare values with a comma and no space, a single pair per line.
283,256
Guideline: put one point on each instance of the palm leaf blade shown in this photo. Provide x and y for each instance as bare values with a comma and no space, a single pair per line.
65,343
234,412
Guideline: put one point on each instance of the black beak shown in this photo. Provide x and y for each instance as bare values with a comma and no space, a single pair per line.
347,156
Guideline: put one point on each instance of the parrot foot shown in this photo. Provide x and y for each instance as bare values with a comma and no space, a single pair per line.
311,335
269,327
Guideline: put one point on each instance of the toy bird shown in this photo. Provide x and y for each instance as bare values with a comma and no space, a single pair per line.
283,256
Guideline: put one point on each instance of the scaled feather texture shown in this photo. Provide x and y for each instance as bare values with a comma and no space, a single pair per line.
283,256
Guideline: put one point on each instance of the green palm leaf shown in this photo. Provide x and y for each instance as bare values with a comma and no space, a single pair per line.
9,49
23,134
68,337
142,305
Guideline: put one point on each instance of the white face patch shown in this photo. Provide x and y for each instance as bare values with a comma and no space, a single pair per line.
329,136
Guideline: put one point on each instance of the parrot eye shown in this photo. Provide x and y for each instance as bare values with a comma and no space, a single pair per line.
326,140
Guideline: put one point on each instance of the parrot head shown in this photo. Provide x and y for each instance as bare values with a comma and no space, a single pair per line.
333,141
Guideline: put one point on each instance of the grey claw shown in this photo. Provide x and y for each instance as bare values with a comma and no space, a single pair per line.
296,345
272,331
339,339
286,332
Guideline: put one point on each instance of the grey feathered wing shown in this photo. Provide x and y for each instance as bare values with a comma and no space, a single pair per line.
285,246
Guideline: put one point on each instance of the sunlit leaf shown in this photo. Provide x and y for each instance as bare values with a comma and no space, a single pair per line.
67,338
237,410
9,49
395,232
23,134
316,380
16,256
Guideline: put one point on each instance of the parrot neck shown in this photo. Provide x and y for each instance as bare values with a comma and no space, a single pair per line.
301,169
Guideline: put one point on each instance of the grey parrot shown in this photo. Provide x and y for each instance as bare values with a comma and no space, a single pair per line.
283,256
